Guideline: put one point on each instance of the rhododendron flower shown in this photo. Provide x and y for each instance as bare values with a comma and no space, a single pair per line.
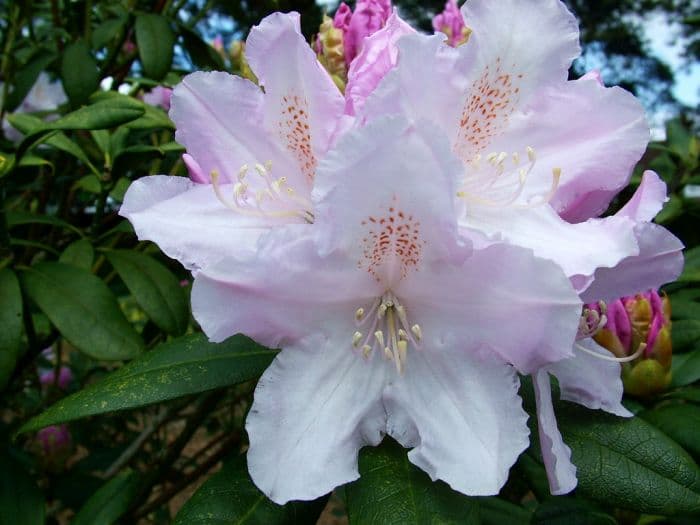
389,323
451,23
159,96
368,18
45,95
252,155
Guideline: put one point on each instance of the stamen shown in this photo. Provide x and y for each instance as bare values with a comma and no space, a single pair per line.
627,359
285,204
389,330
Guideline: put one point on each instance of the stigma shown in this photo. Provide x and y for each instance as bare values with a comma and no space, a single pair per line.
384,327
263,196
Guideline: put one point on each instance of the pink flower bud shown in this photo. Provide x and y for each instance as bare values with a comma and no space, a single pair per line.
159,96
368,18
640,323
451,22
54,444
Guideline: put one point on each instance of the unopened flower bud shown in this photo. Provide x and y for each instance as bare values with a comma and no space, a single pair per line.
368,18
451,23
640,323
237,54
54,444
65,376
328,45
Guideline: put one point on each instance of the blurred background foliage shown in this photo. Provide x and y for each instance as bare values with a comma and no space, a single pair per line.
114,406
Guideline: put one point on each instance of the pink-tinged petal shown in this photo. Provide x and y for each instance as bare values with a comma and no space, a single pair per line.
501,298
387,189
195,170
593,74
314,408
219,121
537,40
302,103
561,473
594,134
281,293
368,18
589,381
461,414
515,50
187,221
660,260
647,201
378,56
406,90
580,249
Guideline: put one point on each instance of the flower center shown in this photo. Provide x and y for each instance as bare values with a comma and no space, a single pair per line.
385,327
266,197
498,180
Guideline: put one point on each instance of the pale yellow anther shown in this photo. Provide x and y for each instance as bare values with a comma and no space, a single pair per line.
381,311
260,169
417,332
239,189
403,336
268,165
366,350
242,172
530,153
359,314
388,354
501,157
516,158
379,336
214,176
356,338
556,173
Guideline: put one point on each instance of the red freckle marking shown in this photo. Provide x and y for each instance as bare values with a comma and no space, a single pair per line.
295,131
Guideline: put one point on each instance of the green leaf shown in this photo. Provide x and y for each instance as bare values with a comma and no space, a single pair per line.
671,210
21,502
201,54
110,501
19,218
570,511
679,421
230,497
107,31
393,491
155,289
497,511
26,77
685,333
155,41
685,368
79,72
79,253
180,367
83,309
10,324
628,463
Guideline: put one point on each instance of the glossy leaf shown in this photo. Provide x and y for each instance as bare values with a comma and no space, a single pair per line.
685,368
154,287
155,41
570,511
10,323
83,309
685,333
21,502
497,511
230,497
79,253
679,421
391,490
628,463
183,366
110,501
79,72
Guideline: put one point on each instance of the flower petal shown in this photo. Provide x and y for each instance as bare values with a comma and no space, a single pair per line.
502,298
218,118
591,382
377,57
281,293
187,221
387,190
647,201
561,473
594,134
302,103
462,415
659,261
315,406
578,248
